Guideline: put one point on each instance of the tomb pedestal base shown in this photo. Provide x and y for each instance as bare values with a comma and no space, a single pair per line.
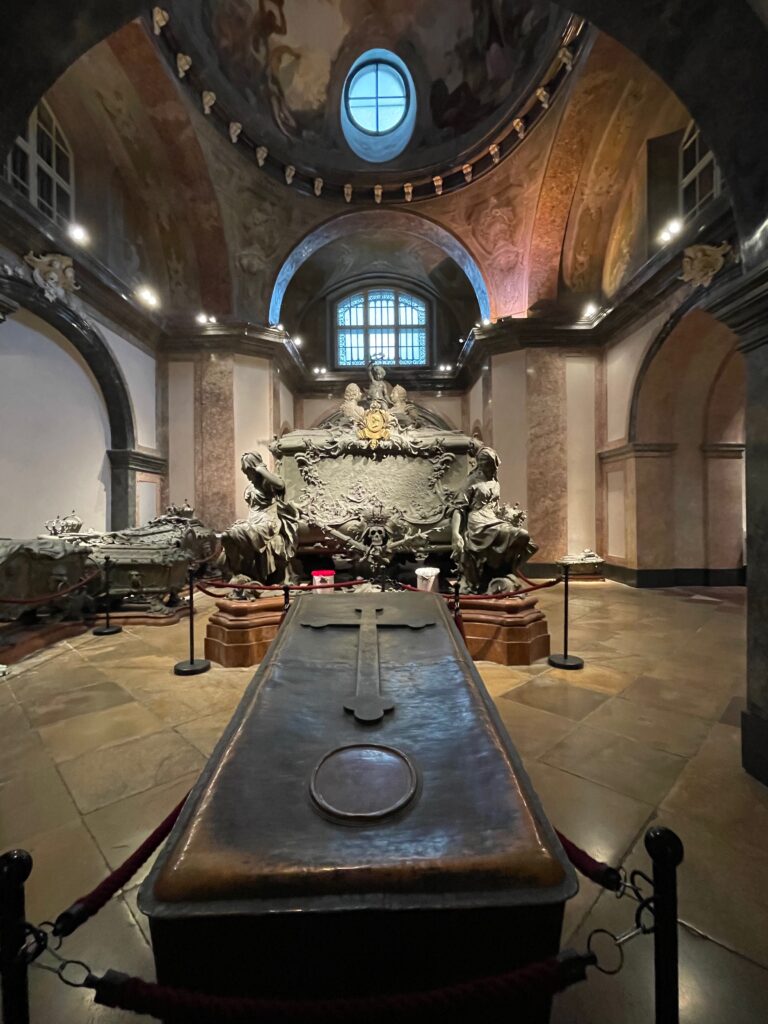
240,632
509,631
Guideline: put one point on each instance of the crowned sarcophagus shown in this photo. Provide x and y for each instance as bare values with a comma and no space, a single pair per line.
364,825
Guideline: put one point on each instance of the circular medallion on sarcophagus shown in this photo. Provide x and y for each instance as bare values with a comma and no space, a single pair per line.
363,782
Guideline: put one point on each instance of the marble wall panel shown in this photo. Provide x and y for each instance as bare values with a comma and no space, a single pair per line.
547,453
616,541
215,485
253,408
725,528
181,432
509,418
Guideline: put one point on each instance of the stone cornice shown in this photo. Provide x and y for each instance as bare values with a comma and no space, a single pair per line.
724,450
742,304
143,462
637,450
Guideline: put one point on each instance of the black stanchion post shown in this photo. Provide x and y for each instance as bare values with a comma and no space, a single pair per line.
107,629
193,666
286,599
666,851
565,660
15,867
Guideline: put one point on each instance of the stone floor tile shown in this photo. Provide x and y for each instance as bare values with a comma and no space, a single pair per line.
732,714
72,737
54,678
22,754
103,777
84,700
6,695
32,803
121,827
112,939
716,985
677,696
67,863
716,791
497,679
595,676
204,733
717,894
13,721
623,765
131,897
533,732
549,693
656,727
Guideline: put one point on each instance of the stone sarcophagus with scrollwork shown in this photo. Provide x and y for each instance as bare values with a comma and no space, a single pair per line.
378,477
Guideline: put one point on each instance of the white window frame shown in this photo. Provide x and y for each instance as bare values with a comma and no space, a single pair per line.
367,327
28,146
690,137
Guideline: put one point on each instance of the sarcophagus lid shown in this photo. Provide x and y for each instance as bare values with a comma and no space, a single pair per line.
364,770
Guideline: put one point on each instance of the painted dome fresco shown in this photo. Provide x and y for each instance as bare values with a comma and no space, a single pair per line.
369,90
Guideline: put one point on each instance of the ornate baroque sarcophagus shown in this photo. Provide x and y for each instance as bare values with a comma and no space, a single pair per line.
364,824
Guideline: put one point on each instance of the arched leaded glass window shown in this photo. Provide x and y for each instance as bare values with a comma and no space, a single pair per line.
385,324
39,166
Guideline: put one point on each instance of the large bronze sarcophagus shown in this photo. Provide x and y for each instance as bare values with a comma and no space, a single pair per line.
364,824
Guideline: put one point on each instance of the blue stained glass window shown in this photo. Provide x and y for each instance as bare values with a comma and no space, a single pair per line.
385,324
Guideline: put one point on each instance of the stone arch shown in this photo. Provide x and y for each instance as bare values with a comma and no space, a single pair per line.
371,220
688,449
16,293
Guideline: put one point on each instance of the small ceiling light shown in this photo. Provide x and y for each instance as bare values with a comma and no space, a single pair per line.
78,234
280,327
675,226
448,368
322,369
201,318
297,342
590,310
147,296
315,369
486,322
212,320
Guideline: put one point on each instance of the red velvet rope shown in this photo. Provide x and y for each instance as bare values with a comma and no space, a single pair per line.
472,997
85,907
595,870
51,597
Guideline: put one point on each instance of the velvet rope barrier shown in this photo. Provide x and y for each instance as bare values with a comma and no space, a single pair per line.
45,598
90,904
222,584
596,871
491,597
473,997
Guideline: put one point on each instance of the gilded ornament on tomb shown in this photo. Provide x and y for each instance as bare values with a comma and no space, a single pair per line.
375,425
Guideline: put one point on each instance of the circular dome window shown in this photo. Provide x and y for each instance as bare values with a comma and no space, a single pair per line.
376,97
378,109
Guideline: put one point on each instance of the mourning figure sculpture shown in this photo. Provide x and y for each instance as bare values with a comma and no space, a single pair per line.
488,539
262,546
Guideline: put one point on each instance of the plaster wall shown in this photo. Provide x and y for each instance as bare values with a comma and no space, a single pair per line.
509,411
286,406
147,499
580,451
622,361
54,431
140,372
252,403
181,432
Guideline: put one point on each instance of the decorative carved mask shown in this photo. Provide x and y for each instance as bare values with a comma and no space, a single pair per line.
290,173
495,153
437,181
261,155
234,130
318,186
544,97
160,18
377,192
467,172
348,193
519,125
183,63
209,98
408,189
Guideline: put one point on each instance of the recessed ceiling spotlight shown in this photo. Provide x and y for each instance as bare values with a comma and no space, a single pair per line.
675,226
297,342
201,318
665,236
78,234
448,368
315,369
212,320
590,310
322,369
486,322
280,327
147,296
